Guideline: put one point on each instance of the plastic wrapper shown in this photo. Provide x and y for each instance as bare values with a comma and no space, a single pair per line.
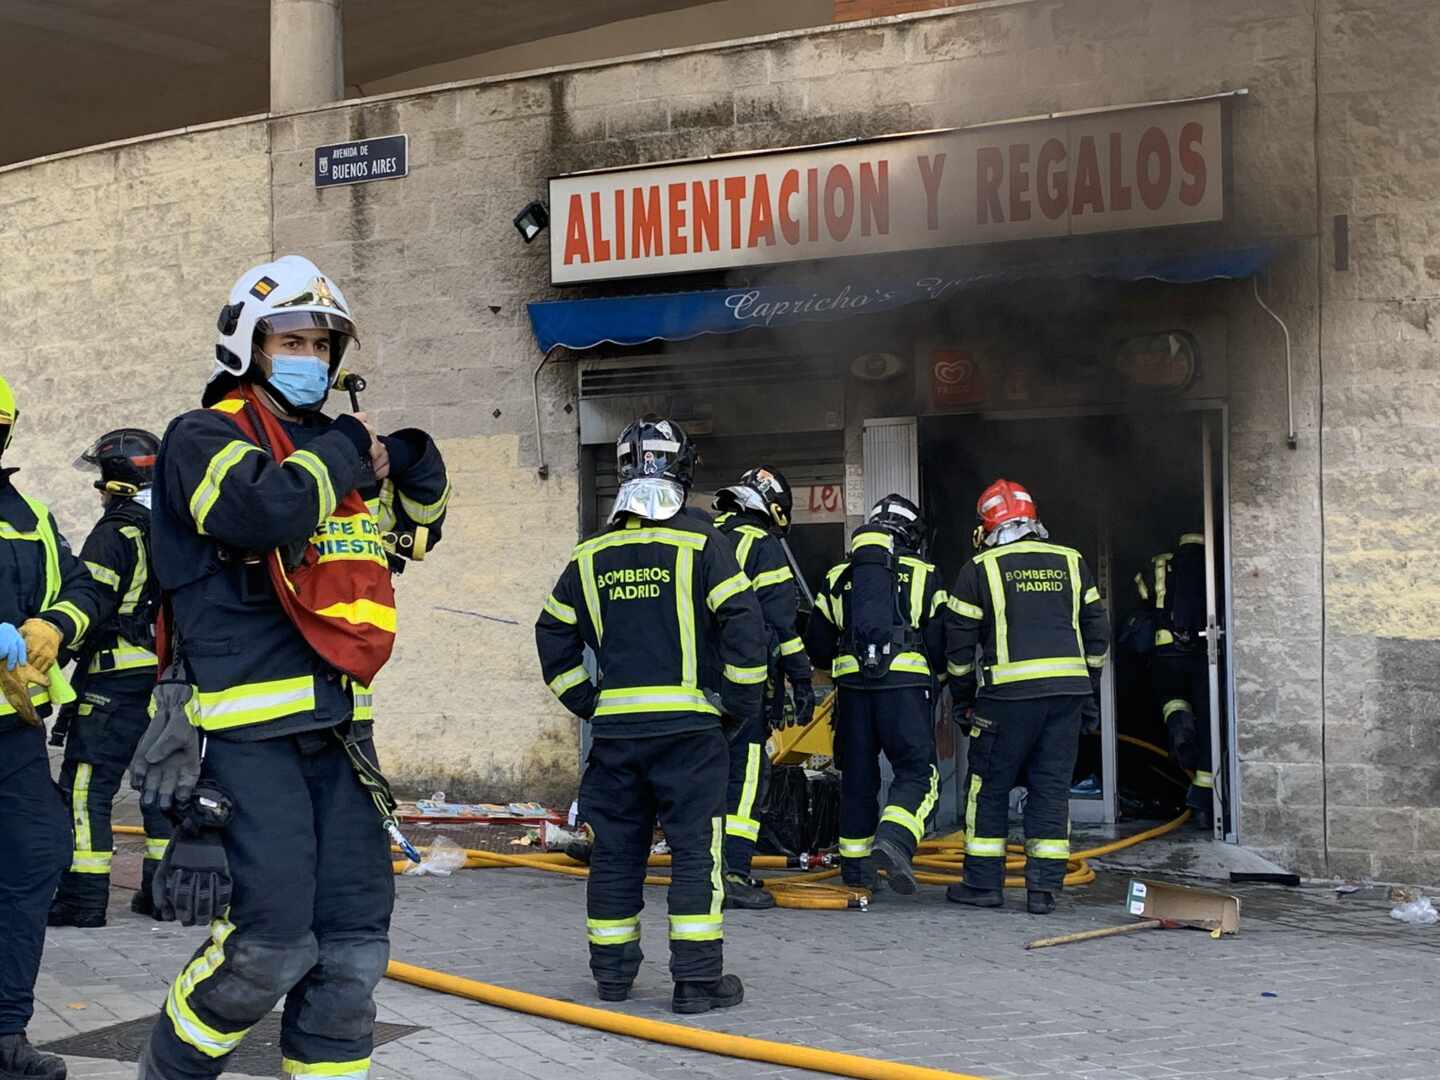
442,858
1417,912
801,812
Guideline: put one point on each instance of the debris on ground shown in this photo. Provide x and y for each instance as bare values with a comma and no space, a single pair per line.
1417,912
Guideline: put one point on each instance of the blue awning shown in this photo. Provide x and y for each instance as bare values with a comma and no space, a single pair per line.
679,316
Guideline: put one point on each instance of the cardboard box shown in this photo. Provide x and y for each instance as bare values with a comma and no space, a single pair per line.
1199,908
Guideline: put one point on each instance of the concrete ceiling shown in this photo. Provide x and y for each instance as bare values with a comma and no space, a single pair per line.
79,72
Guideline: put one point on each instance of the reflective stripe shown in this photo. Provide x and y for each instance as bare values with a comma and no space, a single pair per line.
103,574
1047,849
1204,779
124,657
736,583
324,490
1174,705
1192,538
851,848
794,645
141,574
384,510
203,498
745,676
997,605
1162,566
564,612
915,823
696,927
90,862
1091,660
361,611
568,680
844,665
425,513
337,1070
79,806
1164,637
742,828
969,611
773,577
591,590
188,1027
959,670
973,797
741,823
985,847
1141,587
748,535
652,535
613,931
918,574
872,539
685,614
1092,595
74,614
939,600
1055,667
255,703
912,662
155,848
646,699
1072,563
362,702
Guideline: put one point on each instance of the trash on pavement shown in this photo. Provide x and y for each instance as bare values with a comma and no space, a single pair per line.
442,858
1419,912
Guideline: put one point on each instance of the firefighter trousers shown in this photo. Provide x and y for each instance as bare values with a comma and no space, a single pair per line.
1030,743
745,794
898,722
113,715
308,922
1180,685
34,851
628,784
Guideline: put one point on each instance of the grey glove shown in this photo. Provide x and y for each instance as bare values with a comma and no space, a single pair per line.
166,764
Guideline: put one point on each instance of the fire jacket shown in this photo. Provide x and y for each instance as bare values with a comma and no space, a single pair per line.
1035,613
1173,588
914,607
654,602
41,578
220,504
117,554
762,557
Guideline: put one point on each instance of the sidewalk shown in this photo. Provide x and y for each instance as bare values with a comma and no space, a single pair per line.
1313,986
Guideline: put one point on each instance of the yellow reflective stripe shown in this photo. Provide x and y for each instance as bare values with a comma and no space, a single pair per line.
384,509
1072,563
973,797
1162,568
685,614
74,614
1024,547
124,657
646,699
751,788
872,539
742,828
232,405
717,862
568,680
997,605
965,610
794,645
425,513
1047,849
362,702
361,611
613,931
745,676
203,498
1174,705
562,611
844,665
653,535
79,805
141,573
696,928
913,662
856,848
1204,779
1097,660
155,848
188,1027
591,589
736,583
773,577
985,847
337,1070
959,670
103,574
1092,595
918,574
1054,667
748,536
914,823
938,601
1141,587
254,703
1164,637
1192,538
324,490
90,862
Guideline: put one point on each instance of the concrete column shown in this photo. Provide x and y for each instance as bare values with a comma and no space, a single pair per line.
307,54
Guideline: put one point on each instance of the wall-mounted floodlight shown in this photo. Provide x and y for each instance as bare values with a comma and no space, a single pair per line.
531,221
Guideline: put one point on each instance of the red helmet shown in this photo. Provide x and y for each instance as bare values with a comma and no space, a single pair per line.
1001,503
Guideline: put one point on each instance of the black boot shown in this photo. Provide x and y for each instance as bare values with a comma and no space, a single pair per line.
745,893
891,858
613,991
21,1061
699,997
1039,902
65,913
967,894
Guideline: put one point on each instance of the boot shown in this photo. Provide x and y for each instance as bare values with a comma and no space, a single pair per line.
66,913
21,1061
699,997
612,991
1039,902
1201,821
968,894
745,893
891,858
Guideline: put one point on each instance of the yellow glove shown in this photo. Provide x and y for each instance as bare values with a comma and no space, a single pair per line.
42,642
12,685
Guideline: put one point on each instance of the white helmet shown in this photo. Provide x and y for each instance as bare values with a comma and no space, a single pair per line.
288,294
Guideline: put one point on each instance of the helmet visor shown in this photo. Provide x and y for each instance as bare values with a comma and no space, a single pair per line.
342,329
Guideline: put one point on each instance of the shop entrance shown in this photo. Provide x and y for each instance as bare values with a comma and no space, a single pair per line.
1122,488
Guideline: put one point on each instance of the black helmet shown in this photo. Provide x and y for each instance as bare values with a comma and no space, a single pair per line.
763,490
125,459
653,448
901,517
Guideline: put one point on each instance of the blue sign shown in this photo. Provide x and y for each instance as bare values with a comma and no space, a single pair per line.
361,161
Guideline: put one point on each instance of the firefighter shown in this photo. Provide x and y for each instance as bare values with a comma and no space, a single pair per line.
278,610
655,596
47,602
754,515
1172,595
1035,614
115,674
878,625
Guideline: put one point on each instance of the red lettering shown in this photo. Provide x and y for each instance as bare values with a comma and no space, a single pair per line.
762,221
989,171
1051,183
812,201
734,192
875,198
839,220
705,214
1019,182
930,174
1192,135
1120,191
576,246
1087,195
679,244
1154,190
619,223
646,239
789,223
600,247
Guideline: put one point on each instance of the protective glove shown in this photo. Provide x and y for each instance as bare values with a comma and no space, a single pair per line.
12,647
166,764
803,693
192,884
43,643
12,686
1090,716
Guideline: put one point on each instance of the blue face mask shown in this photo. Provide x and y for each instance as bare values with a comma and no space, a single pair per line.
304,380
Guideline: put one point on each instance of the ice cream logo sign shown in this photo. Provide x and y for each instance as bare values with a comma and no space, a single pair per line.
1078,175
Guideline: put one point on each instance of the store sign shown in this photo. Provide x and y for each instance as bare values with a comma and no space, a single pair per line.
1081,175
362,161
1159,363
957,378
